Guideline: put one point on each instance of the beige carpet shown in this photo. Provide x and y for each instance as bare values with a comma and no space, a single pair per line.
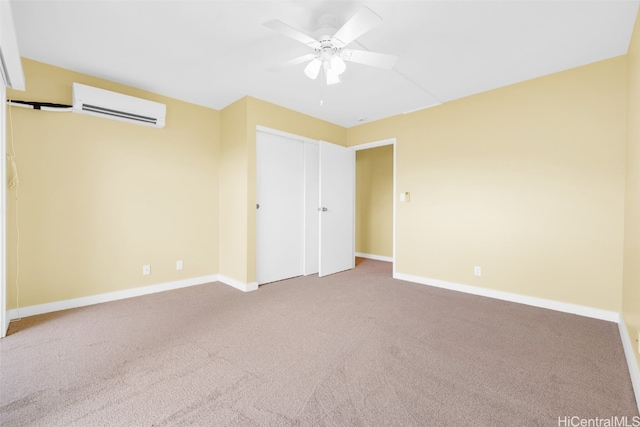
356,348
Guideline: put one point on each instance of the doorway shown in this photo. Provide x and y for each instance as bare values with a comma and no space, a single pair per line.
375,201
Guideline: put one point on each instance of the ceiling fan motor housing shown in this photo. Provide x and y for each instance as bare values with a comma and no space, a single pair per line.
327,49
327,27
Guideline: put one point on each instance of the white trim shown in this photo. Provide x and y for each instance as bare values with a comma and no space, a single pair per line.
423,108
16,80
581,310
630,355
10,49
375,144
260,128
34,310
375,257
109,296
4,315
395,171
244,287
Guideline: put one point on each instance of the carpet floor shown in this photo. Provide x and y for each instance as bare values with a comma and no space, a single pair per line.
355,348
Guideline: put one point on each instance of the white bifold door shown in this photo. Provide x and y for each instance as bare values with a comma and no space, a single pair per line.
305,207
279,218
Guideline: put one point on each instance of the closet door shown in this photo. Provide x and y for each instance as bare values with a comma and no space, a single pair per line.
311,204
337,189
280,198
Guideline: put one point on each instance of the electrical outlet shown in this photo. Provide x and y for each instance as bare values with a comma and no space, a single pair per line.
146,270
179,264
477,270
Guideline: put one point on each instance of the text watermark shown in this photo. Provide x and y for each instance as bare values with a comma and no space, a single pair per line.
576,421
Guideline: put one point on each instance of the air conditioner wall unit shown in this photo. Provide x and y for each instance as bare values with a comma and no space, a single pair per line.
117,106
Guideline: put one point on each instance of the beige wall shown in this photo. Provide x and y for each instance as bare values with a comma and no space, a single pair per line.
233,191
99,198
631,283
374,201
526,181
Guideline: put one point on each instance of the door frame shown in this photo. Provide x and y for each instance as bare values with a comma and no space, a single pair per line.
376,144
4,316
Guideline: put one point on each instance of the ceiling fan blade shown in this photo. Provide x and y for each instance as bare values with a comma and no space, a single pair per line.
364,20
289,31
375,59
292,62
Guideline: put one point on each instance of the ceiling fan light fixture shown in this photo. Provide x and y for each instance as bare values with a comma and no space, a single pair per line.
337,65
313,68
332,77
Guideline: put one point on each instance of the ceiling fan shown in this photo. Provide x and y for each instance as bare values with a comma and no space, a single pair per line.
329,50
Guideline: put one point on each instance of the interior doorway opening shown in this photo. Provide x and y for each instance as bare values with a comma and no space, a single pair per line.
375,202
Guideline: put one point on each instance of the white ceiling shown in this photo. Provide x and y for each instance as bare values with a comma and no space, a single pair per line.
214,52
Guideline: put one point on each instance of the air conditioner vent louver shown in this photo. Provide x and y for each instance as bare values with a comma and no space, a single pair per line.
117,106
115,113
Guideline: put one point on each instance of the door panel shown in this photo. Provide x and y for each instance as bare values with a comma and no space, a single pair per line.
311,202
279,218
337,170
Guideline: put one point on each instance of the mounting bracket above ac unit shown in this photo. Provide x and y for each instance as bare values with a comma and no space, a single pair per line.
117,106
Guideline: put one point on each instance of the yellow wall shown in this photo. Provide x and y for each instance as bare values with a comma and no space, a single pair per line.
374,201
99,198
526,181
631,283
233,191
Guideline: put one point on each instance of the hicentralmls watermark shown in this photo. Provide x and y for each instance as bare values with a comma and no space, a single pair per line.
575,421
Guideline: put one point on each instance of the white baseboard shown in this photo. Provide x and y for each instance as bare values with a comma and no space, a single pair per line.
375,257
581,310
244,287
34,310
630,355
